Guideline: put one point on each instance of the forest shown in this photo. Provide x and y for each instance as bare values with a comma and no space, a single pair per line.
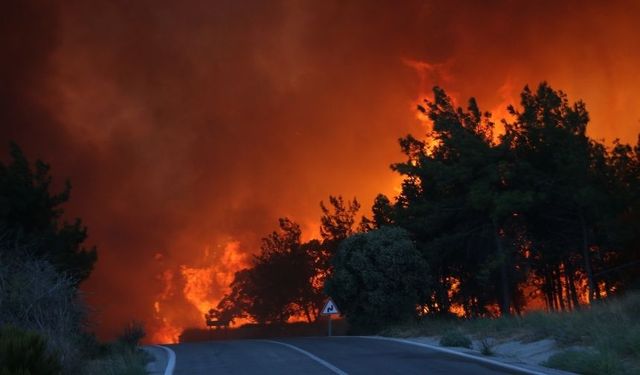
495,217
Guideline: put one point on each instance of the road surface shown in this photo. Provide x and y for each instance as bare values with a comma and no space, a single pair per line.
322,355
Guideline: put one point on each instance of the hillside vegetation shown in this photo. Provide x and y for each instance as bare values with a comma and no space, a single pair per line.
601,339
491,218
44,327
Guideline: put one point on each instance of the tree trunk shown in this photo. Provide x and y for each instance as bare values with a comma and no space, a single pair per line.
548,290
587,260
442,294
558,287
517,306
308,315
505,302
571,286
444,297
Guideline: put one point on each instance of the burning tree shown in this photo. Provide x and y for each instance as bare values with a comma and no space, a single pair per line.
279,283
287,278
540,210
540,204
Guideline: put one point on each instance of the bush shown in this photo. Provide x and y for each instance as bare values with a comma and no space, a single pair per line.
25,352
486,347
455,338
36,297
377,278
119,359
586,362
132,334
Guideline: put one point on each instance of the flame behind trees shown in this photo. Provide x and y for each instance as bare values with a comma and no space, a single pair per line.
540,214
286,279
278,285
542,205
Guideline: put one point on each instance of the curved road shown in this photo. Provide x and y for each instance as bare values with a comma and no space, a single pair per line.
324,355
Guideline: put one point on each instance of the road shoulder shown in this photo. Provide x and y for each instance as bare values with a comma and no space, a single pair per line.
160,362
505,361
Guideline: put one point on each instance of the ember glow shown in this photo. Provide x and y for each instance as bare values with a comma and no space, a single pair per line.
188,128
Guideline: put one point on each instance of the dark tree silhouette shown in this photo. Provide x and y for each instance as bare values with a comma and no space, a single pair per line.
378,278
279,284
31,217
480,221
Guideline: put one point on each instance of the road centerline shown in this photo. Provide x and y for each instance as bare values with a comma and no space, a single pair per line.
312,356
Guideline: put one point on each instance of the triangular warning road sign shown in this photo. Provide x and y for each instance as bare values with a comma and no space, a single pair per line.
330,308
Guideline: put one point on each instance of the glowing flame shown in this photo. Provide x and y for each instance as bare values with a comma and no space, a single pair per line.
199,284
166,332
204,285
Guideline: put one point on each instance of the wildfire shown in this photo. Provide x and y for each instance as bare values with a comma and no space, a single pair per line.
199,287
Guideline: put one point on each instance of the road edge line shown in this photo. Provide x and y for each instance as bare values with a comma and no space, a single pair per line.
312,356
454,352
171,362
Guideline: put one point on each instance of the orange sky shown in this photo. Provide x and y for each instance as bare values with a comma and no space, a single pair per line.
188,128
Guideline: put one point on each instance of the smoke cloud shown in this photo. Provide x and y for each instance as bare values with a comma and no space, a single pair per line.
188,128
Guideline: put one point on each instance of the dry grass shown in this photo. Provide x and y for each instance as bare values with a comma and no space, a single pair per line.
119,359
455,338
610,328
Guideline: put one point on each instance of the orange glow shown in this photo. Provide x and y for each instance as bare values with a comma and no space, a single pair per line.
457,309
204,286
199,284
300,318
165,332
201,129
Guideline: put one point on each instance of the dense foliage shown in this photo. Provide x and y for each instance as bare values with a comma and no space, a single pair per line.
25,352
43,320
287,277
31,218
378,277
280,283
488,218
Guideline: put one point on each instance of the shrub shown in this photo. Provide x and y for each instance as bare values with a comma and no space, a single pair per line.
377,278
36,297
486,347
132,334
455,338
586,362
119,359
25,352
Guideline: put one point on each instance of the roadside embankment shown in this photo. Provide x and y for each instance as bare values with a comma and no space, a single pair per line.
603,338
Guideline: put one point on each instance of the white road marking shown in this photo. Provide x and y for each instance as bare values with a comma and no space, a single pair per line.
319,360
171,362
460,354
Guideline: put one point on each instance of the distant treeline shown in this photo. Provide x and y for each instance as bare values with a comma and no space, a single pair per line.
484,224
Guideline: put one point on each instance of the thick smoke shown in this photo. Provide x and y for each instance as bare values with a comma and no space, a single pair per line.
187,125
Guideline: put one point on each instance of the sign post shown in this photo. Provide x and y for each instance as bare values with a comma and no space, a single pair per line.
329,309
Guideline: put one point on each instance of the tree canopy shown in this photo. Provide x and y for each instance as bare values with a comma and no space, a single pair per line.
31,218
378,277
489,218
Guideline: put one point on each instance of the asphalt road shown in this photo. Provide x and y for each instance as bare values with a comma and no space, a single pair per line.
322,355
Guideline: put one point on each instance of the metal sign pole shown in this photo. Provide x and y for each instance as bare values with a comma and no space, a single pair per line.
329,309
